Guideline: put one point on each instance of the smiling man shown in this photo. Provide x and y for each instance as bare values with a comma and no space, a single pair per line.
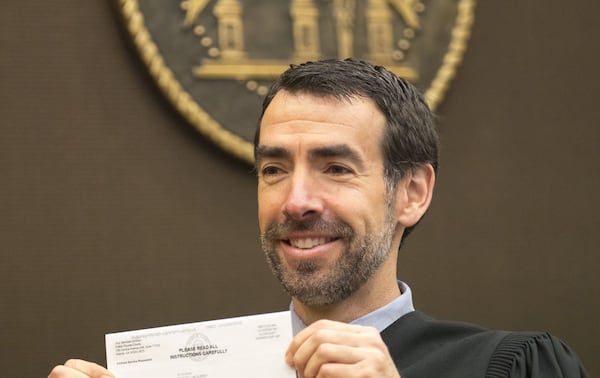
346,155
330,224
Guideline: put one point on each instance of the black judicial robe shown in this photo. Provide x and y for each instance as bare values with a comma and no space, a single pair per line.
422,347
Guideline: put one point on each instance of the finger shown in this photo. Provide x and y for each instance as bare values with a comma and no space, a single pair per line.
328,354
89,368
62,371
316,327
335,370
320,346
351,362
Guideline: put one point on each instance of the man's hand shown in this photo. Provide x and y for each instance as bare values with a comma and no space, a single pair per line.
80,369
333,349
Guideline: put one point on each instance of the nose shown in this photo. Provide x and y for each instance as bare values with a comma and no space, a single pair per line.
303,197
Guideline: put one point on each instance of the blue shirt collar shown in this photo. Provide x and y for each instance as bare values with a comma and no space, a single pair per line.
380,318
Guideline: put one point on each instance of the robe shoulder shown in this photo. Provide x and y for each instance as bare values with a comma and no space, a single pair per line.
423,347
533,354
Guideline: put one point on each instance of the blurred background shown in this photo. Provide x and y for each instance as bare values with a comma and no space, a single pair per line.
115,214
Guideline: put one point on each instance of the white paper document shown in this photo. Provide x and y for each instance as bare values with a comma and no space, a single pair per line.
248,346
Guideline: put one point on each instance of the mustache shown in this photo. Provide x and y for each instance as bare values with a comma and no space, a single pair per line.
338,228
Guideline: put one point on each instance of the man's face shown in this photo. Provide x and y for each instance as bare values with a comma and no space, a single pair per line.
326,222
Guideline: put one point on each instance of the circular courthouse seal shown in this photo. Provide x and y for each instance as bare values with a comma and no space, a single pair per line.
215,59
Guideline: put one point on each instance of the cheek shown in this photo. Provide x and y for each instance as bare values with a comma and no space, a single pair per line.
364,215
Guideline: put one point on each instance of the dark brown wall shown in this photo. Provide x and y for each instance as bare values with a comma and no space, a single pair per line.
115,215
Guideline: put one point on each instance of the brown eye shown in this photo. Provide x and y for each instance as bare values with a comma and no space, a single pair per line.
336,169
271,170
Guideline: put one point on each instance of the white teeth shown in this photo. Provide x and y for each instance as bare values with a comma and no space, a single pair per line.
307,243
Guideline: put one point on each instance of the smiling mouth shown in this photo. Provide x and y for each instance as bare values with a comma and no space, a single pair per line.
307,243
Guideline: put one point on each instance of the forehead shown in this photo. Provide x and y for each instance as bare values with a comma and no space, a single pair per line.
309,118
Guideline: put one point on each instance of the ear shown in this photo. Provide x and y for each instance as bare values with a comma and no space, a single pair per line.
414,194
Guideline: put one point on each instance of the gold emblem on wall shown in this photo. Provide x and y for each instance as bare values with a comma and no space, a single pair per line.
215,59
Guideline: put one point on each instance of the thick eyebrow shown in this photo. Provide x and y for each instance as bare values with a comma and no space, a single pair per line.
270,152
340,151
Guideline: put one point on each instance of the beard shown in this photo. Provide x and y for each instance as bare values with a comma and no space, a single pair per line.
359,260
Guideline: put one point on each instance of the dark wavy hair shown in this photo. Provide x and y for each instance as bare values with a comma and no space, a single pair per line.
410,138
